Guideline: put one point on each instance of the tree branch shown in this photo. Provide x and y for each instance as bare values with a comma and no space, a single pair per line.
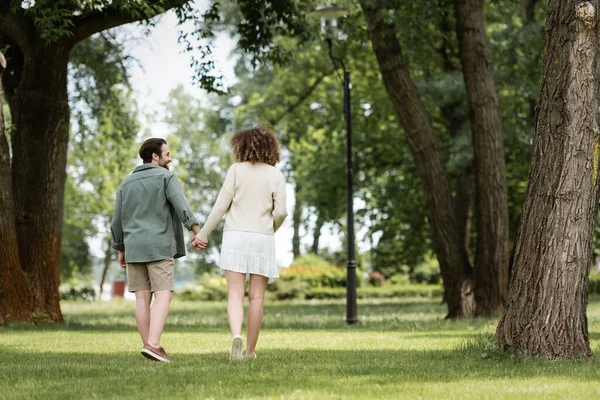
16,25
98,21
300,100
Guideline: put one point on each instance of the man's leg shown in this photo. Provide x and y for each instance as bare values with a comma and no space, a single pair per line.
162,280
258,286
235,300
158,316
142,313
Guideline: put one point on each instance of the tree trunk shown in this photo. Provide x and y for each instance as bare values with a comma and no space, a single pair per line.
107,258
317,234
15,295
296,219
464,205
40,112
413,117
528,11
491,256
546,311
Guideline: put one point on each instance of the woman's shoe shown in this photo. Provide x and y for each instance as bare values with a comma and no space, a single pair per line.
253,356
236,349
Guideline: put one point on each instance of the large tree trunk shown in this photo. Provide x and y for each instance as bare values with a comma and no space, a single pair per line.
413,117
491,256
40,112
15,295
546,311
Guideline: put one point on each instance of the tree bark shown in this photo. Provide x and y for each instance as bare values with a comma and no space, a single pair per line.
40,112
491,256
546,310
415,120
296,220
317,234
464,205
15,294
107,258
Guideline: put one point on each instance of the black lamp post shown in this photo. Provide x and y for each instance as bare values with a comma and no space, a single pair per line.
328,17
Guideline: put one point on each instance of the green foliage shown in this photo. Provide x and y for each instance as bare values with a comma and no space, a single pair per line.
315,271
594,284
78,287
199,147
427,272
102,148
384,292
211,288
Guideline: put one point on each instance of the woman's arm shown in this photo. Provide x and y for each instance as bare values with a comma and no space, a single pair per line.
279,206
221,205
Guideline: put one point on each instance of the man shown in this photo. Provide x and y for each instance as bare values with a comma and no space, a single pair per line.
147,232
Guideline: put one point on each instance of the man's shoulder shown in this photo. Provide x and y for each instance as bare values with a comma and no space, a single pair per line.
147,173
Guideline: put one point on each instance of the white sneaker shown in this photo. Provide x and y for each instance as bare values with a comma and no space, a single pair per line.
236,349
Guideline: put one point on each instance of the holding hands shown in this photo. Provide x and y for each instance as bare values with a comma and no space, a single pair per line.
198,244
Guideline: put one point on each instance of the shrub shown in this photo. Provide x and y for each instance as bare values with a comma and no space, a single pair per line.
289,290
211,288
315,271
369,292
77,289
428,272
594,284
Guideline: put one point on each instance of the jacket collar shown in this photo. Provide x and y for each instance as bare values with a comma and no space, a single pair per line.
145,167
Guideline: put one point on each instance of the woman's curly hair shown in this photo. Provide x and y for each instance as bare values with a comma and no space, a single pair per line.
256,145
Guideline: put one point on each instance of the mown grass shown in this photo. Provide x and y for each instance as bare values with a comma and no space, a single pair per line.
400,349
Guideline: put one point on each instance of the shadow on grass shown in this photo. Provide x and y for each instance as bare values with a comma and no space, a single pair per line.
278,372
194,316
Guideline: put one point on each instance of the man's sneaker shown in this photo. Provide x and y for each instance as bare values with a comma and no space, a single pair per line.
236,349
155,353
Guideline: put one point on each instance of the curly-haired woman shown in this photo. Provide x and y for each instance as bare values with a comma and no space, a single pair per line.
253,202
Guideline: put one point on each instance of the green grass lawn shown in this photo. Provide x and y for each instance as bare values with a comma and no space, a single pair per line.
400,349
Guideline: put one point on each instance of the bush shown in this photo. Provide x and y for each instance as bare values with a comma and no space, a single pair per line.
428,272
315,271
594,284
211,288
77,289
370,292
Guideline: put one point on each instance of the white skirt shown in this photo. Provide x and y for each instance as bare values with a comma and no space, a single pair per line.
249,253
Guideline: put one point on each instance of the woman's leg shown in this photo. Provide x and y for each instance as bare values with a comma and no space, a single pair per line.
258,286
235,300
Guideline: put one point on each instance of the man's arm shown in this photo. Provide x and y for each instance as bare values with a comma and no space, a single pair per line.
177,199
116,225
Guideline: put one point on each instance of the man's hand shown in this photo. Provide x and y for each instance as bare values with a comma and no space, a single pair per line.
122,262
199,244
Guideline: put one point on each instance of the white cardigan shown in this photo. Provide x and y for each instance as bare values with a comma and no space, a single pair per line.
252,199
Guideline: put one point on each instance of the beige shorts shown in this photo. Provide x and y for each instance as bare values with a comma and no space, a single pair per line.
154,276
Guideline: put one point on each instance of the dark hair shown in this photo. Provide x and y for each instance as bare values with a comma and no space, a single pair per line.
151,146
254,145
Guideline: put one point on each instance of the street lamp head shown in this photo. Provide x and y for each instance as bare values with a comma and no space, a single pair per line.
328,17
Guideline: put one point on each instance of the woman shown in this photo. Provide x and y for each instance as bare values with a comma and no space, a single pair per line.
253,201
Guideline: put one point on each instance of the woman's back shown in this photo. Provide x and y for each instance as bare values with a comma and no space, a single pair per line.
258,191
